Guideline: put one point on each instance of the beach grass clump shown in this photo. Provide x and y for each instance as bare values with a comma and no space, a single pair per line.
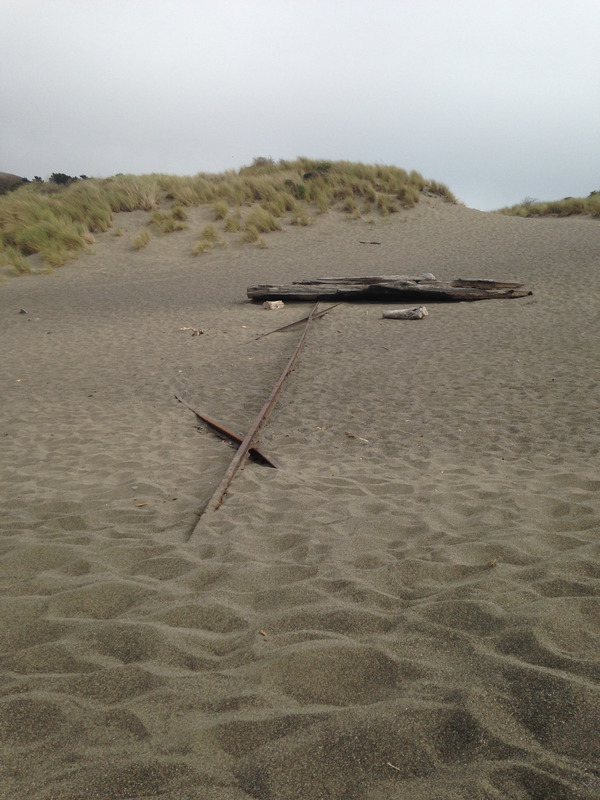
387,204
142,239
169,221
250,234
34,224
441,190
11,257
302,218
202,246
320,199
187,191
232,223
209,238
54,221
209,233
568,206
131,193
220,209
348,205
408,195
262,221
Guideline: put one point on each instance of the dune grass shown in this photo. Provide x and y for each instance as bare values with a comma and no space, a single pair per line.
209,238
568,206
57,221
142,240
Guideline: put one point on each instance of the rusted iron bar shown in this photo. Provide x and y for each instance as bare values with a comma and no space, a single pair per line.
255,452
298,322
255,429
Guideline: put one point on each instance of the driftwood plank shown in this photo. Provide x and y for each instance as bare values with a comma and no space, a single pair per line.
390,287
406,313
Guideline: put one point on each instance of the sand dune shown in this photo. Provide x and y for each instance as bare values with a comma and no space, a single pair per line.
409,608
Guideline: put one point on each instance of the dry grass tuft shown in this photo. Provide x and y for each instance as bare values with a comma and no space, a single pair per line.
169,221
262,220
209,238
142,239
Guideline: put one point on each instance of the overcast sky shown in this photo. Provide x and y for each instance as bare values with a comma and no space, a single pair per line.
500,100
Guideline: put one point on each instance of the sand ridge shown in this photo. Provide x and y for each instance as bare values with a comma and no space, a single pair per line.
409,608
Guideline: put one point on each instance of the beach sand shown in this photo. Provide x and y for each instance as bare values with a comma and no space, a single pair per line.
409,609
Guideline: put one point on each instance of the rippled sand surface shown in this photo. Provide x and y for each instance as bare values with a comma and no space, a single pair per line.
409,608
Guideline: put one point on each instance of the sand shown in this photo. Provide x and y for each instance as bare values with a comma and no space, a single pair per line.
408,609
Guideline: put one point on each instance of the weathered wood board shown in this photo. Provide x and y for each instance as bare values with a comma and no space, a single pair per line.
389,287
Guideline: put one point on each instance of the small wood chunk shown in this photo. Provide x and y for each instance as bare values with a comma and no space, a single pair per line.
406,313
271,305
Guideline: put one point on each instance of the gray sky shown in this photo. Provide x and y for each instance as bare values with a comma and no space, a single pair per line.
500,100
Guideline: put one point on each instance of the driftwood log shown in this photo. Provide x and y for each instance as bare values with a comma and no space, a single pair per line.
389,287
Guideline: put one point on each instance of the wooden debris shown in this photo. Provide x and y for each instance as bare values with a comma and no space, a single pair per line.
384,287
406,313
255,452
273,305
354,436
253,434
298,322
195,331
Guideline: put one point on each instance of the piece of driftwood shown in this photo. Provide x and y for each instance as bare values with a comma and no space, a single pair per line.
255,452
251,438
386,287
298,322
406,313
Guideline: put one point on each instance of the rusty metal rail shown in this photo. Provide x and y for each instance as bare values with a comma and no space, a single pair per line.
255,430
254,452
297,322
